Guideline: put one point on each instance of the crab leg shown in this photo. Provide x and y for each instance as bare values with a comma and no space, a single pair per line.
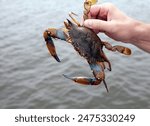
50,45
106,60
98,71
84,80
121,49
61,34
75,21
55,33
87,6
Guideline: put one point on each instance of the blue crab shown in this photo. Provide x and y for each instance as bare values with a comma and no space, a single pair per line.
87,43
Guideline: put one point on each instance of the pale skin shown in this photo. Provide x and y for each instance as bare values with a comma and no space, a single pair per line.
114,23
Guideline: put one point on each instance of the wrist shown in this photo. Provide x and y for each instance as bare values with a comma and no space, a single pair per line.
140,32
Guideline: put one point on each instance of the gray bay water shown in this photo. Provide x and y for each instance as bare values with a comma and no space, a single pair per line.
30,78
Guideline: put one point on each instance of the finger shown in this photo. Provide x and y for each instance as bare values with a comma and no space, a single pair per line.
95,9
97,24
99,11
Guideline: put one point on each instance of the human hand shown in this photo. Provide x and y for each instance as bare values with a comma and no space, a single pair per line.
110,20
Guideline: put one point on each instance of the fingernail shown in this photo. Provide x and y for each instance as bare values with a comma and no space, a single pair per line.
88,23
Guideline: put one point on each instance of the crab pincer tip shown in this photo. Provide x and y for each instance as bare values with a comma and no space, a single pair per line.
57,59
106,86
67,77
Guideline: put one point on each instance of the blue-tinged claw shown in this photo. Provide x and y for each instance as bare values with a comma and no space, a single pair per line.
60,34
95,67
98,71
50,45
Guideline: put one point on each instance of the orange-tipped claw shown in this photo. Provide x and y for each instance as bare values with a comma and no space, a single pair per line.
50,45
84,80
123,50
87,81
52,51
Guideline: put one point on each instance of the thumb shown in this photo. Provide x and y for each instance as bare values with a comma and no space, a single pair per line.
97,24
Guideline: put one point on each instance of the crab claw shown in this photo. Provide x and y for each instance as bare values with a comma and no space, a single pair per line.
83,80
98,71
105,85
50,44
86,81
